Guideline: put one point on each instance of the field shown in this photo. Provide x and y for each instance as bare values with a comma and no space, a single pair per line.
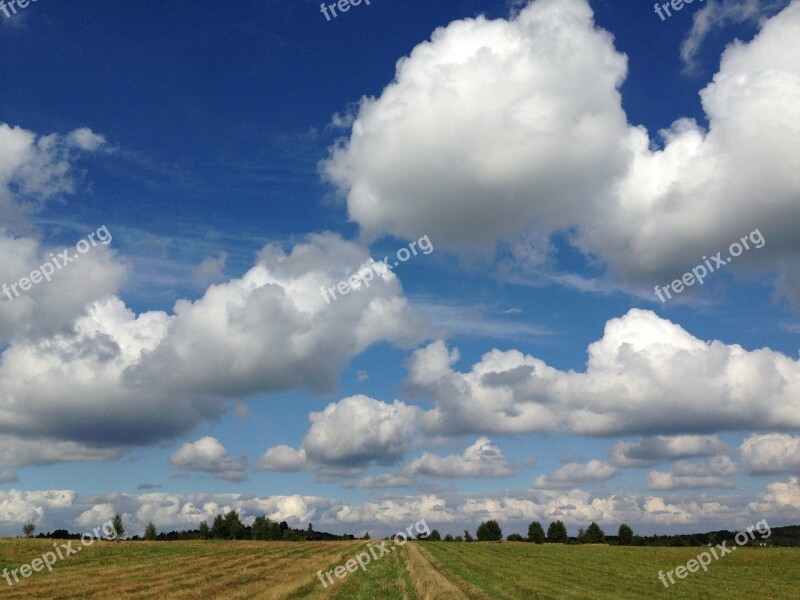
201,570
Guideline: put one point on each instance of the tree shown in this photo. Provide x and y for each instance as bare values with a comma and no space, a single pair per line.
219,529
150,532
264,529
489,531
593,535
205,532
467,536
448,538
625,535
367,535
29,528
433,536
536,533
234,526
515,537
118,527
557,533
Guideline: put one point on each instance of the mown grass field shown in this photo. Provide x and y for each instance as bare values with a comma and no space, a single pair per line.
201,570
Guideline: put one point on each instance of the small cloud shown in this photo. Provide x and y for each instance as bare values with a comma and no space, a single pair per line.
211,269
692,476
243,413
717,15
791,327
8,477
85,139
148,486
283,459
207,455
362,376
575,475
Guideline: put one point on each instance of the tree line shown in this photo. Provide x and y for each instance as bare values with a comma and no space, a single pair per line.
228,526
490,531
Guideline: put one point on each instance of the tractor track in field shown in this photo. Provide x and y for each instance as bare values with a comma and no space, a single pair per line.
432,581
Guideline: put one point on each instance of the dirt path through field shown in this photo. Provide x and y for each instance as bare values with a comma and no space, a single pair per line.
434,582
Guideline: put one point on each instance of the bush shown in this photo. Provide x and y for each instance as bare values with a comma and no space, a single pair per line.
515,537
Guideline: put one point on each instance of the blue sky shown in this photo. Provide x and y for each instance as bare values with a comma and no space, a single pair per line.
561,157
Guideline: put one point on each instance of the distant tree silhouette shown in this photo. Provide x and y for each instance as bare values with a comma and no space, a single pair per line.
29,528
557,533
489,531
536,533
433,536
205,532
150,532
592,535
625,535
118,527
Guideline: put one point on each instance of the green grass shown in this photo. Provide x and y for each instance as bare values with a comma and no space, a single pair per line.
611,572
203,570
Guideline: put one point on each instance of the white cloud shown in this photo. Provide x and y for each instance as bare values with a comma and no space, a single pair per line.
645,376
575,475
484,128
771,453
85,139
385,480
254,334
716,15
688,476
482,459
52,509
782,500
513,130
283,459
21,452
348,436
210,269
208,455
648,452
34,170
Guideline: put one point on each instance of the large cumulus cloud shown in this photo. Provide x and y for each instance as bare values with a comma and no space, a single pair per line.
100,382
512,130
645,376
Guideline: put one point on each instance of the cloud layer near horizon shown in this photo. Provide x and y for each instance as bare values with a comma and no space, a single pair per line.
51,509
